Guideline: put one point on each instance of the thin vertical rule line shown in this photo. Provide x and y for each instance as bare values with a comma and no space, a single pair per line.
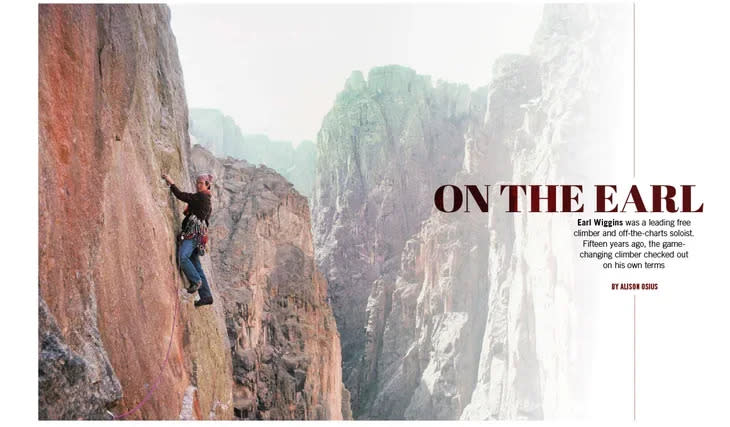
634,152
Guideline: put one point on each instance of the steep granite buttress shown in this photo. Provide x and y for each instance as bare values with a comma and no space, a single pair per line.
112,119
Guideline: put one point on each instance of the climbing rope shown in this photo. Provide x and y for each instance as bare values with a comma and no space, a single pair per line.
162,368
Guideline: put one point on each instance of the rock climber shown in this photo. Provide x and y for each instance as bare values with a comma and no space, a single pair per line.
194,234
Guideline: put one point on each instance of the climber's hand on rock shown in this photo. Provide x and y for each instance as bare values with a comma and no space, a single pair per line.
167,178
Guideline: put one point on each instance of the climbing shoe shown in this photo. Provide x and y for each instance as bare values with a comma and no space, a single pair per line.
194,287
201,301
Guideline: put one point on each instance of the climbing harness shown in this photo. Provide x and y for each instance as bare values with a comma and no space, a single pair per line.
198,230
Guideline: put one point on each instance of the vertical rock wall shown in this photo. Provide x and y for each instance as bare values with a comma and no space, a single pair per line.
373,149
112,118
285,345
534,353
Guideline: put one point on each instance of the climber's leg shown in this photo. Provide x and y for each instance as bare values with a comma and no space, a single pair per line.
204,290
183,258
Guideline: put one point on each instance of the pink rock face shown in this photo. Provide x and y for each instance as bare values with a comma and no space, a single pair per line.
286,349
112,118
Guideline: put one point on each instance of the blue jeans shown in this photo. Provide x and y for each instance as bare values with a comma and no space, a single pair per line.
187,257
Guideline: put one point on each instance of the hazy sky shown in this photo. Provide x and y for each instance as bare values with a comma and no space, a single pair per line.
276,69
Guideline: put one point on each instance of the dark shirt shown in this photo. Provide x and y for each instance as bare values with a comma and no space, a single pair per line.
199,204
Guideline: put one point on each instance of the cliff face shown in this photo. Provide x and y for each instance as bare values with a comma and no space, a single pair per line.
459,268
112,118
373,149
285,345
464,315
535,353
222,136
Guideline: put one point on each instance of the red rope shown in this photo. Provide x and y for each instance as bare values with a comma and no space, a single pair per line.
162,368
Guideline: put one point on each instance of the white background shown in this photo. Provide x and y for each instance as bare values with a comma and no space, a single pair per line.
683,83
683,91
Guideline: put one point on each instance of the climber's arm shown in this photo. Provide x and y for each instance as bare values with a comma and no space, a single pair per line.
185,197
181,195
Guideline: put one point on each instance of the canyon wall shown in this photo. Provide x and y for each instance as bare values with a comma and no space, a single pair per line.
285,345
466,315
112,119
373,150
